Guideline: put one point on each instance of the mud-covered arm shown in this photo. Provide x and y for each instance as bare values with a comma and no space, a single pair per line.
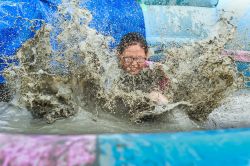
162,83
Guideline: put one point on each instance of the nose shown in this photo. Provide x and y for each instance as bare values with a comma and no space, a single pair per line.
134,63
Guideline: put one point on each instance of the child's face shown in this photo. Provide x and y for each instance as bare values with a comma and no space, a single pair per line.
133,59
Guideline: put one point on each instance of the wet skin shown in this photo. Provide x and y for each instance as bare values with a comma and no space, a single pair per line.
133,59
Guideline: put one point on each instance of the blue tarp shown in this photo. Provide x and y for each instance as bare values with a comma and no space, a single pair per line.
110,17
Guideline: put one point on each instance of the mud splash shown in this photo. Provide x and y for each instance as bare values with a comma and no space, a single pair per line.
62,72
201,75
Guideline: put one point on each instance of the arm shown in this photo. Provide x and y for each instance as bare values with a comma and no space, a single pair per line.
156,95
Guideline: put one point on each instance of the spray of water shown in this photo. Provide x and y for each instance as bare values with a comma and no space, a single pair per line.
67,67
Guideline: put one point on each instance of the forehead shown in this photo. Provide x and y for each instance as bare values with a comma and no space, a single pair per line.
134,50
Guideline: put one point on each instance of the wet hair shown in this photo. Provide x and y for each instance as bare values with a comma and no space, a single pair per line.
130,39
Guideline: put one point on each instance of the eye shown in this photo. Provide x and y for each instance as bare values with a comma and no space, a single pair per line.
140,60
127,59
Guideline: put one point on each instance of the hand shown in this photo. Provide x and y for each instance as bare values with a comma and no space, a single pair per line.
158,98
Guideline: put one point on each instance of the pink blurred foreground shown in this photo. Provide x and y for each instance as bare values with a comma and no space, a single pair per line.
22,150
243,56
